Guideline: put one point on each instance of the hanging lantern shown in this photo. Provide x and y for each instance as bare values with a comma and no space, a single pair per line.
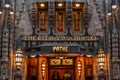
19,57
79,68
101,58
43,69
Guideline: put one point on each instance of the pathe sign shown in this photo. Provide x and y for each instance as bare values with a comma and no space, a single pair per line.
60,49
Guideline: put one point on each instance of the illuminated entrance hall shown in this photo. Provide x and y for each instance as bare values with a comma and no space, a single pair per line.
59,40
60,67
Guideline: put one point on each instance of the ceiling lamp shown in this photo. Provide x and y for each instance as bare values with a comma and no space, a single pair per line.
42,5
11,12
0,12
114,5
60,4
7,3
109,13
0,8
77,5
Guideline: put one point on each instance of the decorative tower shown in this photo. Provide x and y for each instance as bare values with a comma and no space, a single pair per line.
5,40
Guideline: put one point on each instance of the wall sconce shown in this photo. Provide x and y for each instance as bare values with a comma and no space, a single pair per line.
19,58
43,69
101,58
79,68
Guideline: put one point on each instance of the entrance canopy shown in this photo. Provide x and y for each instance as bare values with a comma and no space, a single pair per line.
60,45
61,50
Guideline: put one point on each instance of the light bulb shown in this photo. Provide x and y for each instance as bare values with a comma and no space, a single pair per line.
7,5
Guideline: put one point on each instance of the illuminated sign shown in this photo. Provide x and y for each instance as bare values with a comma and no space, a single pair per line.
59,38
60,49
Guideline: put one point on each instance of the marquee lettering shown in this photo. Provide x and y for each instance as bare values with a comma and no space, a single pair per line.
60,49
59,38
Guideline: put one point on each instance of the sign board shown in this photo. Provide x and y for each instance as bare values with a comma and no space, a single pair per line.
59,38
58,50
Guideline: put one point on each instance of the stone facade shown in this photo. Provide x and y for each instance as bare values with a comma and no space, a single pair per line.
26,23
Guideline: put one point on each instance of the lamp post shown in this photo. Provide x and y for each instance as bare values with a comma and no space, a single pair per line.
101,59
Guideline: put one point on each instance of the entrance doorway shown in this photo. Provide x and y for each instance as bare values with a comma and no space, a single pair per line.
67,67
61,69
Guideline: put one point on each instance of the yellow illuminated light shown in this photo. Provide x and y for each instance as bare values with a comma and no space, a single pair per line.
79,64
60,4
79,68
79,71
43,68
43,71
43,65
42,5
101,64
77,5
101,67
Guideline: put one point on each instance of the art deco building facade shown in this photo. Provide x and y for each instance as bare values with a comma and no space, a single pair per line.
59,40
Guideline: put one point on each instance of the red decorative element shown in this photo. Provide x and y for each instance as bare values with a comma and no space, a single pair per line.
67,61
55,61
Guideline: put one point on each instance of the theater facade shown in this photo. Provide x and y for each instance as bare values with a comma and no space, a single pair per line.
62,49
61,45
